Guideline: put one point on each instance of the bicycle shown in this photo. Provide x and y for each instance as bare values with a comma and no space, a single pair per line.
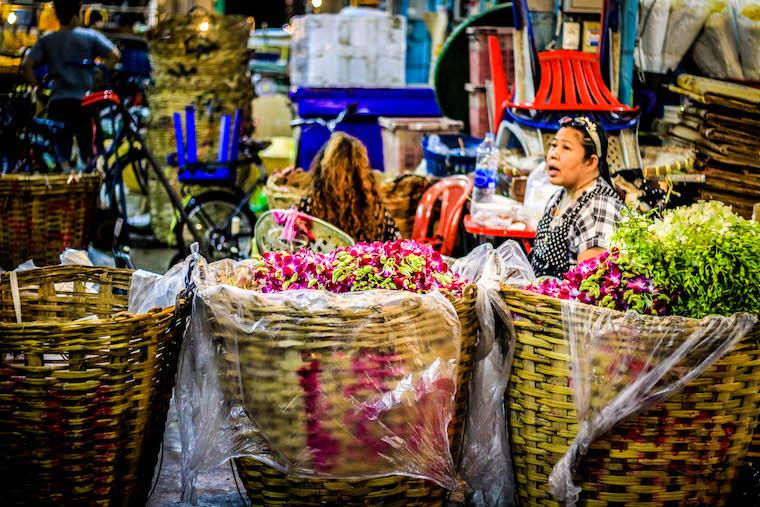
118,144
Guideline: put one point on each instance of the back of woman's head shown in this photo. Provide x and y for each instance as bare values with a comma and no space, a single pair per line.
344,191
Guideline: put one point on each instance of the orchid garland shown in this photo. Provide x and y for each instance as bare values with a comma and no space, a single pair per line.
398,265
601,281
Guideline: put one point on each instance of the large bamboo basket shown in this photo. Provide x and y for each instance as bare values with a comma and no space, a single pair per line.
401,195
277,384
41,215
83,403
684,451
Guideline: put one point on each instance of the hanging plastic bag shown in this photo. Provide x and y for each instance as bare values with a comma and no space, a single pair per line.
653,24
486,458
716,51
538,191
686,20
748,35
313,383
623,363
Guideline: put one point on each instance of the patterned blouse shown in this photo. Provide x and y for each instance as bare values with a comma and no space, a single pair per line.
387,230
588,223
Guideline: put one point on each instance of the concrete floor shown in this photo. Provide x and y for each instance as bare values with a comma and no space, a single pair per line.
215,488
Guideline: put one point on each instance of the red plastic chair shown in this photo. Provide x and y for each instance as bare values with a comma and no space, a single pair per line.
569,81
452,192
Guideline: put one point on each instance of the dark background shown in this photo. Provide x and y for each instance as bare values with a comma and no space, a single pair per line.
273,13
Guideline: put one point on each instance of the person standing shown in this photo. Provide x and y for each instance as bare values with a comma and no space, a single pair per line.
63,52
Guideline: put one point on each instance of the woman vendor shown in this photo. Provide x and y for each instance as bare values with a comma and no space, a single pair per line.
579,218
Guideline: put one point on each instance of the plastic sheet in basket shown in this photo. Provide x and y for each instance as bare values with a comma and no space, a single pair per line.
623,363
318,384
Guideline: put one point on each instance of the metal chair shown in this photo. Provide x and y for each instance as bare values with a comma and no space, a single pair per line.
570,82
270,233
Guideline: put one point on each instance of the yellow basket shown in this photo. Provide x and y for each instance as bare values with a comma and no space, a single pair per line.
84,388
684,451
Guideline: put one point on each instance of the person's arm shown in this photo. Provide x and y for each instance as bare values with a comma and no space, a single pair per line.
590,253
594,226
27,70
112,58
31,59
106,50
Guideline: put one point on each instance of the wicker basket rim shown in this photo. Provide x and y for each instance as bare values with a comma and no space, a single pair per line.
49,177
89,274
468,291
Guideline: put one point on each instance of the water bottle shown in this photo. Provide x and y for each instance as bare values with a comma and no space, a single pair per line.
486,169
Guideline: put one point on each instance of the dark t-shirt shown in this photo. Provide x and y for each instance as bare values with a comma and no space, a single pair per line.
63,52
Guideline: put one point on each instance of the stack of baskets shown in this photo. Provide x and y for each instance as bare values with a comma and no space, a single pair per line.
206,68
273,376
401,194
684,451
44,214
84,387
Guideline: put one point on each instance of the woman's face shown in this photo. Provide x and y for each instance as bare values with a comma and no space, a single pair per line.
566,160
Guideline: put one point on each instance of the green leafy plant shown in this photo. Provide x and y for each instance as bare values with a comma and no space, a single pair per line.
705,253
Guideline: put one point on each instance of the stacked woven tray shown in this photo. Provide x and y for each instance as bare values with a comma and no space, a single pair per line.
723,122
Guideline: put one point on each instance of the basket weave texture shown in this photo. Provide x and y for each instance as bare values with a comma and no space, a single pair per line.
83,403
271,387
400,195
41,215
684,451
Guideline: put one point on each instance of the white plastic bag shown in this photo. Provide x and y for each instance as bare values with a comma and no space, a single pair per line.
538,191
748,34
686,20
653,24
716,51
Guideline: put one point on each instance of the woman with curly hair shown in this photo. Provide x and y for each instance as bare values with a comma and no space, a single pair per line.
345,193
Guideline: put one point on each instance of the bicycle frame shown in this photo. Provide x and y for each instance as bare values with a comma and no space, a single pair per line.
130,133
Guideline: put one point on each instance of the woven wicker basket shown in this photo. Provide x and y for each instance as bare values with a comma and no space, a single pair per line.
400,195
267,486
83,403
42,215
684,451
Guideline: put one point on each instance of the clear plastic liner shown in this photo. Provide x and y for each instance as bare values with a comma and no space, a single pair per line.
686,20
486,461
624,363
716,51
317,384
149,290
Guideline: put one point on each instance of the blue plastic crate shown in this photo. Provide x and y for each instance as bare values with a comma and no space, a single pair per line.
441,165
371,103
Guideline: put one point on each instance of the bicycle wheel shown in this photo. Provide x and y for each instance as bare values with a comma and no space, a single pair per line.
210,213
